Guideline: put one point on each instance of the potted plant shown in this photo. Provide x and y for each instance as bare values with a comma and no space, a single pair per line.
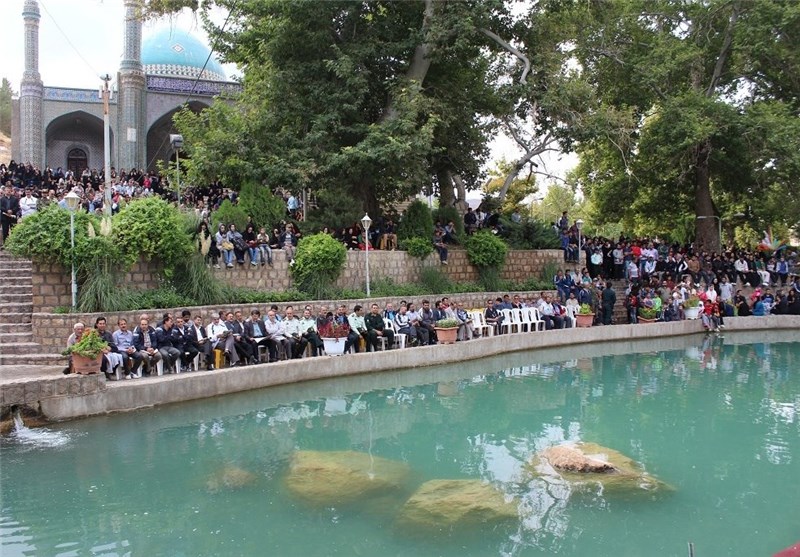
692,307
87,353
585,316
647,315
447,330
334,336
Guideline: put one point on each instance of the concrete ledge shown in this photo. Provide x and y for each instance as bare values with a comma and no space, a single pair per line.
124,396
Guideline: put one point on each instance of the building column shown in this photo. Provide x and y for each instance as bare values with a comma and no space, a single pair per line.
131,135
31,92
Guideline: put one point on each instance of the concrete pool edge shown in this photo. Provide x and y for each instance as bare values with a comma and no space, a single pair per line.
74,397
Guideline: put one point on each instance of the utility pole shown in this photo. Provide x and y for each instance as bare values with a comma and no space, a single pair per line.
105,94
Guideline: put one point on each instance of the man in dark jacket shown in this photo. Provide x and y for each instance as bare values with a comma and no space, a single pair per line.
9,210
608,298
166,343
146,343
111,356
376,328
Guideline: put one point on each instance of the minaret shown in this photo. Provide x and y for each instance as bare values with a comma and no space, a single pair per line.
131,135
31,91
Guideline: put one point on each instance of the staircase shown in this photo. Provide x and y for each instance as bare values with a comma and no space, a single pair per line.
17,347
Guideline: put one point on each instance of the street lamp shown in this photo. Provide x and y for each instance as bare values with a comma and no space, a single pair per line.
176,140
105,94
579,225
366,222
72,200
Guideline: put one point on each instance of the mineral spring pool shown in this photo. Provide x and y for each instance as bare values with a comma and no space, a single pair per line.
344,467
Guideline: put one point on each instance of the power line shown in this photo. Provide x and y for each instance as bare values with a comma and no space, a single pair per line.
66,37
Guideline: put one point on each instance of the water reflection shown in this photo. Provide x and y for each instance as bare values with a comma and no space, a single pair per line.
714,417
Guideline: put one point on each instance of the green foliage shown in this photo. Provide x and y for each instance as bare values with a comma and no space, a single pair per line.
89,346
448,323
433,280
693,302
228,214
417,247
648,313
417,222
335,209
318,263
529,234
193,280
484,249
101,290
151,228
5,107
447,214
257,201
585,309
165,297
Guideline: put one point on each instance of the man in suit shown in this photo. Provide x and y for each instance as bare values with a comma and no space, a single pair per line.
221,337
188,349
256,331
198,338
169,343
241,342
9,210
146,343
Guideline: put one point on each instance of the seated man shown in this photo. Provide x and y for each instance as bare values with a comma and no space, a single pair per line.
276,338
293,329
112,359
74,338
466,330
358,325
389,237
197,336
352,337
416,320
146,343
376,328
492,316
167,339
309,331
428,320
256,331
241,343
183,342
222,337
131,358
548,312
403,324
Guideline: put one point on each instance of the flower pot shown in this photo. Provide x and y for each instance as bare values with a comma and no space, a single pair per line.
86,366
645,321
584,319
692,312
446,335
334,346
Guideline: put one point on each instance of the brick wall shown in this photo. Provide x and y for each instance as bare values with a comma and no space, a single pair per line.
51,283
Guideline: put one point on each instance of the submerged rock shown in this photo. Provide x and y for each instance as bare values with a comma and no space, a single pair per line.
590,464
442,504
229,477
339,477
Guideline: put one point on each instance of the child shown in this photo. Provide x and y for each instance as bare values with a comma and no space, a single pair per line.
263,245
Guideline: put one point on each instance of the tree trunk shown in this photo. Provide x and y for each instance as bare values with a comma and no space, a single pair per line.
446,195
707,229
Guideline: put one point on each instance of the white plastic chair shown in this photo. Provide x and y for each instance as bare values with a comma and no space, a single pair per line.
508,324
399,338
535,319
480,324
571,313
522,319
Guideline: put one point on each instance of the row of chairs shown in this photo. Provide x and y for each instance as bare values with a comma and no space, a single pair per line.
519,320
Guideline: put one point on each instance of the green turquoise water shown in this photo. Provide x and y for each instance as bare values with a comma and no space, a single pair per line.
716,418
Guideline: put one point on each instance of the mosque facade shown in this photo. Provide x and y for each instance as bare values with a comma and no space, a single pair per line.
63,127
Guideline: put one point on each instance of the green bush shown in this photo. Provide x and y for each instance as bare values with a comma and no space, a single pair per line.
335,209
434,281
157,298
488,253
417,222
417,247
318,263
192,279
151,228
101,290
227,214
257,201
529,234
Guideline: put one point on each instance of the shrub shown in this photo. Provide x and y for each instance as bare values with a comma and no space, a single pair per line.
488,253
417,247
448,323
585,309
227,214
318,263
335,209
693,302
648,313
434,281
101,290
193,280
529,234
151,227
417,222
89,346
257,201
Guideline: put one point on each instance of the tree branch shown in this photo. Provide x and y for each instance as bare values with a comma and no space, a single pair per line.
724,51
516,52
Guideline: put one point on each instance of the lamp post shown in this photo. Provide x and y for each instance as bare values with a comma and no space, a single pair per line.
579,225
366,222
176,140
105,94
72,200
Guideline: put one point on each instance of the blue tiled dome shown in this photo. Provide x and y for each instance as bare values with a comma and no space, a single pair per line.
171,52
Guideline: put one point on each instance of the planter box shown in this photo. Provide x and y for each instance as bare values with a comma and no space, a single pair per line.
334,346
446,335
645,321
584,319
86,366
692,313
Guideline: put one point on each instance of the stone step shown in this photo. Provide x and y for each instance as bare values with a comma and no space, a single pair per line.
29,348
12,288
14,337
8,256
6,307
7,328
17,276
15,318
16,298
33,359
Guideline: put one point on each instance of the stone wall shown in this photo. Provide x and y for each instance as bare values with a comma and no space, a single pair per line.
51,330
51,283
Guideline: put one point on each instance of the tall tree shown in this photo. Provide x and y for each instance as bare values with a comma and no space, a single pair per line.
5,106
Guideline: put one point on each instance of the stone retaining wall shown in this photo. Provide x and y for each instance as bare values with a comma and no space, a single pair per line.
51,283
51,330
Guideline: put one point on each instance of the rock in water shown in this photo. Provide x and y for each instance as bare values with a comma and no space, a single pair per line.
229,477
590,464
444,504
340,477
